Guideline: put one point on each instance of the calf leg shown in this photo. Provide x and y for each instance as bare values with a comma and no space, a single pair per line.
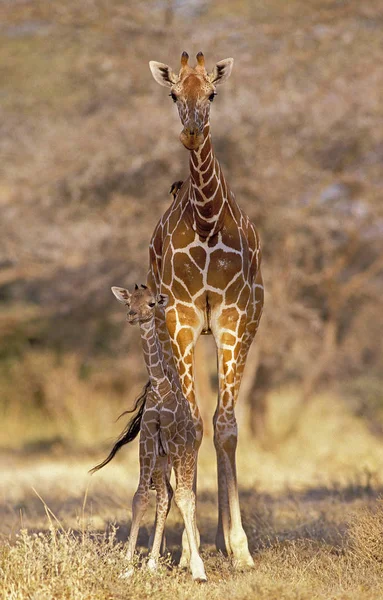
164,496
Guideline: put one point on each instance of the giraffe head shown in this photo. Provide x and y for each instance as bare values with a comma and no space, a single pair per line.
141,303
193,90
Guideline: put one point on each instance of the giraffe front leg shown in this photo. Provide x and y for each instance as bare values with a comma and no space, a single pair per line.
141,497
222,539
139,506
184,467
185,556
186,503
225,438
164,496
230,531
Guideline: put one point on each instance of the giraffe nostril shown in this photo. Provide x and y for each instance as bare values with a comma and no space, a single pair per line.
131,313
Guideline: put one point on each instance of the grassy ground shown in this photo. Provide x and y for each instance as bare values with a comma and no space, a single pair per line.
310,509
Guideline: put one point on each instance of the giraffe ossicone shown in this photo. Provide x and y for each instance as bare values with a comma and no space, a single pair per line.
167,437
205,255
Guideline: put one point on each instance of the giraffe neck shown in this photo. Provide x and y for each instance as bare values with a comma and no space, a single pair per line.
154,359
208,190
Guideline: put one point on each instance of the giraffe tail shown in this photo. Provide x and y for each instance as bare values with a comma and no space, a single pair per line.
131,430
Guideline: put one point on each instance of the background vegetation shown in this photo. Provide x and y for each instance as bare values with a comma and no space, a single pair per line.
89,147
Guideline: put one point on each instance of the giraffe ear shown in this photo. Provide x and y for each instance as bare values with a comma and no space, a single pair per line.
122,295
163,74
221,71
162,300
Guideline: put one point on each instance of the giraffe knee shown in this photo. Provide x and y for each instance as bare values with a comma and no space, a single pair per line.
140,501
226,434
184,498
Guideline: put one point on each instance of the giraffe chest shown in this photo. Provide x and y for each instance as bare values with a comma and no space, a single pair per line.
202,271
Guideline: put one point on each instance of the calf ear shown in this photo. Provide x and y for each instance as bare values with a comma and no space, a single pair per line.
121,294
221,71
163,74
162,300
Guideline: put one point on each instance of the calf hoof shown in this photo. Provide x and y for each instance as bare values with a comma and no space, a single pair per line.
127,574
184,561
198,570
152,565
243,563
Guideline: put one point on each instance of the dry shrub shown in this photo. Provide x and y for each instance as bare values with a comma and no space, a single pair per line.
60,564
50,400
366,534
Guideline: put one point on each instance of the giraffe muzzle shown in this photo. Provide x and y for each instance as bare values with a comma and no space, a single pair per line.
192,137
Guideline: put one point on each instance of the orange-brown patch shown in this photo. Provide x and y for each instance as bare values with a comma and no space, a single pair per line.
243,298
242,325
233,290
171,321
232,237
167,274
180,292
210,188
184,337
214,299
229,338
181,369
184,234
212,241
198,196
206,176
192,85
223,266
187,315
205,152
199,255
229,318
173,219
207,210
157,242
205,163
187,272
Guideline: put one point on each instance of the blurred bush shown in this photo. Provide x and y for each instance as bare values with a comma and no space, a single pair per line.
89,147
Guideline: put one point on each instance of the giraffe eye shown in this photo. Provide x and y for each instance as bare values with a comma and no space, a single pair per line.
152,304
173,96
211,97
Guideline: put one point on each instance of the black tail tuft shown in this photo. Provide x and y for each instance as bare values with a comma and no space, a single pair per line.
131,430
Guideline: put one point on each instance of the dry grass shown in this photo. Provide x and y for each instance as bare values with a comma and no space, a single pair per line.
312,518
366,535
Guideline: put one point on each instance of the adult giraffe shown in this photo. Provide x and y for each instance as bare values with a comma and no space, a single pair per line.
205,256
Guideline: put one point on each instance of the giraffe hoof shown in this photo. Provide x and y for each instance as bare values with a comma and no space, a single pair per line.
152,565
184,562
221,547
244,563
200,579
127,574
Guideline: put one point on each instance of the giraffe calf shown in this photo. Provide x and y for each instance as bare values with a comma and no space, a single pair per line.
167,434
